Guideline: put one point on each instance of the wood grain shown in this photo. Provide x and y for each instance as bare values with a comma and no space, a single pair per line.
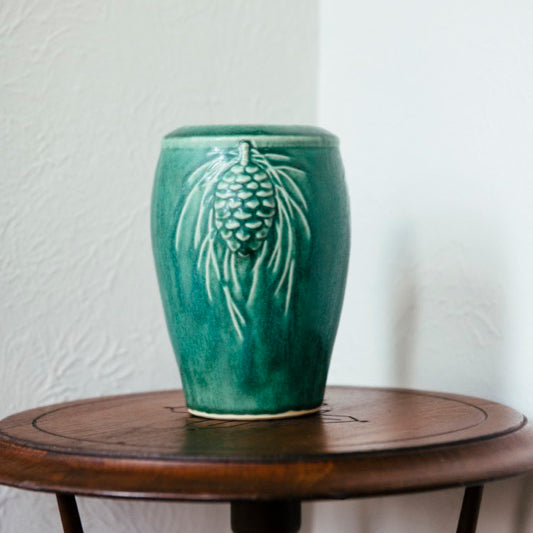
364,442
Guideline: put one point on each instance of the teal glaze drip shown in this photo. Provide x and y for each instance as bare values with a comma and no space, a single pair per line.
252,284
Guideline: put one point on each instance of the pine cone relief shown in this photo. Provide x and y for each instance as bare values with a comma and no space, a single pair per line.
244,205
249,218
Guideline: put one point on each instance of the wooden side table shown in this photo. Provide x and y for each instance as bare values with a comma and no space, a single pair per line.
365,442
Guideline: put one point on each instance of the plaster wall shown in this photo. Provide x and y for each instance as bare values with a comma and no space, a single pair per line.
88,88
432,102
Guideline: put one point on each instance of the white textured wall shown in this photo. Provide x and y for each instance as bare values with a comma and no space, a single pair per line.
87,89
433,103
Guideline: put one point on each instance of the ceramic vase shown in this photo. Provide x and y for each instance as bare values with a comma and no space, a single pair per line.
250,233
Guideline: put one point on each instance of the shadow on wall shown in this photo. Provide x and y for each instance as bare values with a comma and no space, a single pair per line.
403,301
446,305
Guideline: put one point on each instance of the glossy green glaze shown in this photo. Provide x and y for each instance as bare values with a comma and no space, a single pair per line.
250,232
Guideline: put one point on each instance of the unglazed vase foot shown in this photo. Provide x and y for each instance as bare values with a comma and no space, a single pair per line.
264,416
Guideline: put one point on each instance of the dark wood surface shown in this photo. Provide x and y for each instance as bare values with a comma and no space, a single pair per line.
365,441
470,509
266,517
68,511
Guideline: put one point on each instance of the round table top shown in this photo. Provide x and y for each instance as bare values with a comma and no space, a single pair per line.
364,441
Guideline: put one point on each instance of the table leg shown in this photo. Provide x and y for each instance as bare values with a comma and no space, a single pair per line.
265,517
470,509
70,517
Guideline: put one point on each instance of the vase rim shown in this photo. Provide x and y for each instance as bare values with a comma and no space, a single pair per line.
262,134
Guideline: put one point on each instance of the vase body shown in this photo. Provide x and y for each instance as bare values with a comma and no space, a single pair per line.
250,233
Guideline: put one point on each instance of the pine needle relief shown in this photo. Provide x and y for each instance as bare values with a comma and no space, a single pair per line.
249,214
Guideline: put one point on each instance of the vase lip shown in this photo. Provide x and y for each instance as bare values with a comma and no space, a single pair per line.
262,134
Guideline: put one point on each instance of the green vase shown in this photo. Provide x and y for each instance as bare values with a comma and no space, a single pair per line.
250,232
